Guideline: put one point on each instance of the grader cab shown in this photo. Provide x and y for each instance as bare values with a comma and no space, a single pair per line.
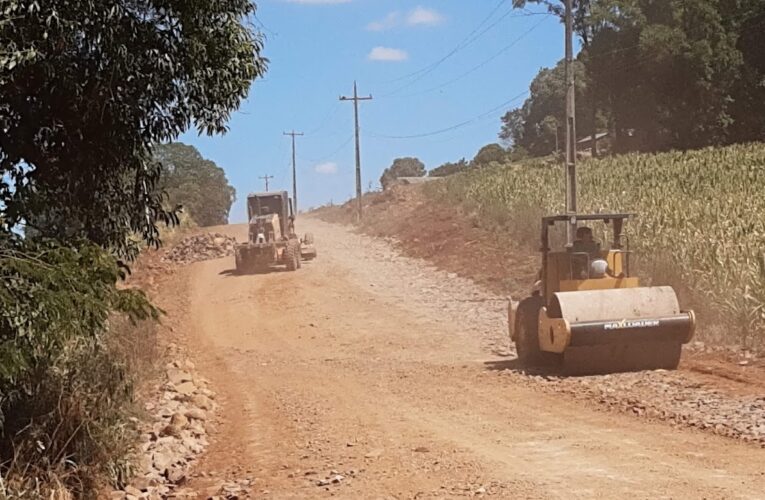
271,235
590,314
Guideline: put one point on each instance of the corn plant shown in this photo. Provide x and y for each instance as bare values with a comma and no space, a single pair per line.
702,213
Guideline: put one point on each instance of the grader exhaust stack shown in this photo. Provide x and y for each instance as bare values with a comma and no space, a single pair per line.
588,313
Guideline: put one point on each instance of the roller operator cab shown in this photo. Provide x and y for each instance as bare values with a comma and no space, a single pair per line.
588,314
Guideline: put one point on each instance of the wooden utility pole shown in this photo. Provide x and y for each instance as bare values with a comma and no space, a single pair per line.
356,100
570,128
294,175
265,178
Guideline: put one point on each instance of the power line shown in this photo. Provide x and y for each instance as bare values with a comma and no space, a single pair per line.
455,126
456,49
334,151
462,45
265,28
332,111
527,13
482,64
282,153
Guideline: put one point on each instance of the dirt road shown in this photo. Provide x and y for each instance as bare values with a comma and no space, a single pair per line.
356,371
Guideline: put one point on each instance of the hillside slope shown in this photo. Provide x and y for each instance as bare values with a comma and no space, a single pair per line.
700,225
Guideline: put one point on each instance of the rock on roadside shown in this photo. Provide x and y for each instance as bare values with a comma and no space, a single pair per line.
176,434
200,247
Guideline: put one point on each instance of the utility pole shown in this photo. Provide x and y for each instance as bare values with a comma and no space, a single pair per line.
356,100
265,178
294,175
570,129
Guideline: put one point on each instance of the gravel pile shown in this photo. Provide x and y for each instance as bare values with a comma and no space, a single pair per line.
668,396
176,435
200,247
675,397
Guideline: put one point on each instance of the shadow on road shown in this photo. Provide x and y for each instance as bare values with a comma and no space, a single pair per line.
270,270
516,366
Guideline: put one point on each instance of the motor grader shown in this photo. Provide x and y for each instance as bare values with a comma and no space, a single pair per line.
271,236
588,314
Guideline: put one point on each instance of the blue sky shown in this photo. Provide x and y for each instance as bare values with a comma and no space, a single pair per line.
430,65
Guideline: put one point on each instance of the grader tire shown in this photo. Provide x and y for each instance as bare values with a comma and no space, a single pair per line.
527,336
292,255
238,260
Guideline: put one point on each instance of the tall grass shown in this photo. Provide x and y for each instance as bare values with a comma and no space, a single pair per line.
700,224
67,365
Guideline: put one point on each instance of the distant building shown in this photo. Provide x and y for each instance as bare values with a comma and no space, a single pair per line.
603,139
405,181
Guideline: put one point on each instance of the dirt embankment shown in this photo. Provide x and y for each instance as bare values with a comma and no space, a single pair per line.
457,242
444,235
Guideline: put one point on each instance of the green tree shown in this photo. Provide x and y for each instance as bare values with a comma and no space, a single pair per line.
513,128
534,125
488,154
748,108
449,168
88,86
586,27
196,184
63,391
402,167
668,70
673,74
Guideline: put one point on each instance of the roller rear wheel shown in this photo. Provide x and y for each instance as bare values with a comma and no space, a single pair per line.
527,335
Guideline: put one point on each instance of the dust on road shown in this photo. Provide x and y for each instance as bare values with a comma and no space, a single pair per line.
360,369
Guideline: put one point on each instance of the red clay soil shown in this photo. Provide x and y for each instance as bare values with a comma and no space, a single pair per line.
444,235
455,242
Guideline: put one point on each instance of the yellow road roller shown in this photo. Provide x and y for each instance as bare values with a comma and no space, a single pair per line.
587,314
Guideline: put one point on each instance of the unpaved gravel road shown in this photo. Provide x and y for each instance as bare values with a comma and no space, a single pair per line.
395,380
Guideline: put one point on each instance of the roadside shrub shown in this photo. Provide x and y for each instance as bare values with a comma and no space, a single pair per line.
63,390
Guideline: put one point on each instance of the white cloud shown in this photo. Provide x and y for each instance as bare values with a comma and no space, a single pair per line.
390,21
422,16
387,54
326,168
318,2
419,16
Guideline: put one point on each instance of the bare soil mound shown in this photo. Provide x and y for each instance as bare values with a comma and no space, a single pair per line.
445,235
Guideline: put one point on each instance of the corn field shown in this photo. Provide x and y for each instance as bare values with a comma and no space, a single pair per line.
700,222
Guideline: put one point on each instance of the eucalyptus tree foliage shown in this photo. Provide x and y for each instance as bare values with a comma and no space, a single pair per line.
88,86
